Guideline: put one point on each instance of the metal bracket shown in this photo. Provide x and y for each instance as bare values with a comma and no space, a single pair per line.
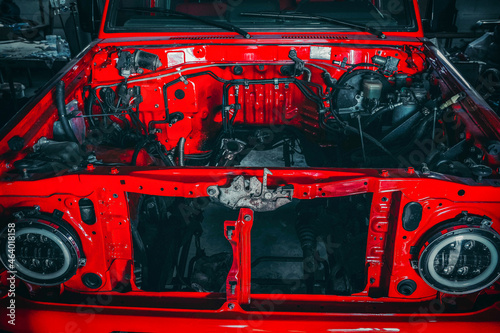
486,223
238,279
251,193
454,100
299,64
82,262
183,79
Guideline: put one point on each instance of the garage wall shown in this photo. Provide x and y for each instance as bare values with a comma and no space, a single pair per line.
30,9
469,12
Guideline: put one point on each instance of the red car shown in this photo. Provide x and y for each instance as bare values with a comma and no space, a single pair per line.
253,166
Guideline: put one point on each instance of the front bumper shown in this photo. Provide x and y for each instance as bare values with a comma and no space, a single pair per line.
51,317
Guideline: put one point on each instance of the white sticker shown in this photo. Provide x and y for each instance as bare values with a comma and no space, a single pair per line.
320,53
175,58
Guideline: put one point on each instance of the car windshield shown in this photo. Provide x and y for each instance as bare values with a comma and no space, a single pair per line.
280,15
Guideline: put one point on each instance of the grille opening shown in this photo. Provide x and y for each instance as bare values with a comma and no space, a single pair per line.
305,247
314,247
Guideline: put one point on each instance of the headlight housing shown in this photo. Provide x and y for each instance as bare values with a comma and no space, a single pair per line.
461,261
45,252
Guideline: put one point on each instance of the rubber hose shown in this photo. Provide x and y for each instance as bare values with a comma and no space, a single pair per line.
61,110
180,146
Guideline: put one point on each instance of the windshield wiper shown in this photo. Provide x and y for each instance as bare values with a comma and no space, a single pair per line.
302,16
168,12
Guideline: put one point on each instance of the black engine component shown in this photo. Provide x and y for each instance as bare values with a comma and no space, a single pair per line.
210,273
306,218
132,63
51,156
389,64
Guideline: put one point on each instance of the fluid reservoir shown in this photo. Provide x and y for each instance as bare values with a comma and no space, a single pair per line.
372,88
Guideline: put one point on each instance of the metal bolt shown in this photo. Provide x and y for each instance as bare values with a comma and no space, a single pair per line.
486,223
469,245
230,306
247,218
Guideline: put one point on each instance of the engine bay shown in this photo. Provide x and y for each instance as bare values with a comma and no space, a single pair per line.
366,108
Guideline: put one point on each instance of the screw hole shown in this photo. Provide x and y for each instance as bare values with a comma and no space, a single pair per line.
404,237
461,193
94,233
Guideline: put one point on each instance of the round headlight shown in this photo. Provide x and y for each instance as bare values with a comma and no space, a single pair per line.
39,251
461,261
